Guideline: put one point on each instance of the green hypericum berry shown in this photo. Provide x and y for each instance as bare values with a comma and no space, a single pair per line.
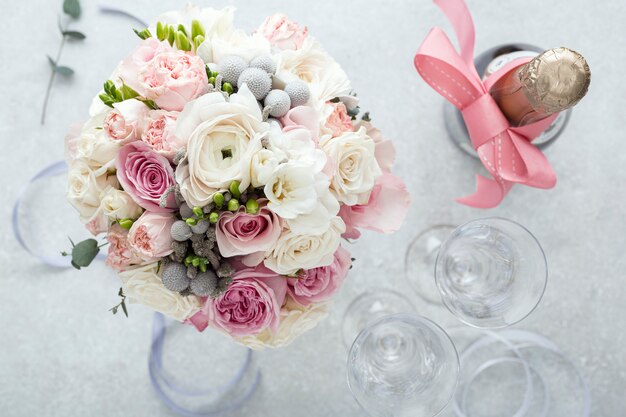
234,189
126,223
202,268
233,205
195,262
191,221
214,74
227,87
218,199
188,259
252,206
197,211
214,217
212,80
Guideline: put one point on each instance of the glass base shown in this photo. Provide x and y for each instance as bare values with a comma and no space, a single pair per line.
455,125
369,307
200,375
419,262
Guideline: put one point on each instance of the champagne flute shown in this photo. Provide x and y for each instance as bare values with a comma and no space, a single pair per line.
403,365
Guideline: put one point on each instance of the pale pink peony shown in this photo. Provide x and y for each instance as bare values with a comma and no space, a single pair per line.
339,121
250,304
120,255
302,117
320,284
149,237
146,176
385,212
282,32
125,121
242,233
173,78
159,132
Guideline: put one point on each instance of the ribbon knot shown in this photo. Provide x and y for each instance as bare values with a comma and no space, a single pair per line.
505,151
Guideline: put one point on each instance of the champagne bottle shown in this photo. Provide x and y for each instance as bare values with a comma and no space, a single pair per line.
553,81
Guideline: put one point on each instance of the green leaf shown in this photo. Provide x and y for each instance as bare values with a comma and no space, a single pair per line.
84,252
106,99
123,303
109,87
121,292
127,92
53,64
150,103
72,8
64,71
74,34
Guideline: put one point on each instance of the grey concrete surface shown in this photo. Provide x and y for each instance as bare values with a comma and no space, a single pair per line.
63,354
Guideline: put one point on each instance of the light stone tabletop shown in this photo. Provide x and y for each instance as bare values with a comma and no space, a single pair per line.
63,354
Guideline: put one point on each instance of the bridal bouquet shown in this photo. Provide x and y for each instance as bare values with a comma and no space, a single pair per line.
225,168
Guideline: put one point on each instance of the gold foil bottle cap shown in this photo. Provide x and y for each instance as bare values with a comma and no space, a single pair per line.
555,80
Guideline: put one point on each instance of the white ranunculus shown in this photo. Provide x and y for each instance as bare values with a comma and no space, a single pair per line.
355,166
291,190
222,136
262,165
94,147
305,251
117,205
236,43
294,321
85,187
143,285
312,64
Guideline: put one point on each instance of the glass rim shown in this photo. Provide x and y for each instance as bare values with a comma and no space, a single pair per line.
545,277
415,318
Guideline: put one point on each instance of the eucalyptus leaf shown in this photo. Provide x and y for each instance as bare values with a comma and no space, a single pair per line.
84,252
123,304
74,34
64,71
71,8
53,64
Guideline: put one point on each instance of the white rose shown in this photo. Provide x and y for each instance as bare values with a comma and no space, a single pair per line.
237,43
221,139
312,64
117,205
85,187
304,251
94,147
294,321
355,166
144,286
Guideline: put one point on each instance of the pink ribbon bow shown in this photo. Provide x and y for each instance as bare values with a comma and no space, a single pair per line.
505,151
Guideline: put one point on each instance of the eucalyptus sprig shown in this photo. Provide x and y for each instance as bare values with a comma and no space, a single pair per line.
122,303
83,253
72,9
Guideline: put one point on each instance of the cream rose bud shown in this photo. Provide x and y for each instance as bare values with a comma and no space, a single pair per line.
85,186
117,205
221,139
355,166
143,285
93,146
305,251
125,122
294,321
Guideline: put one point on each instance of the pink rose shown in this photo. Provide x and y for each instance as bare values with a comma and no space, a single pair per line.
282,32
120,254
385,211
158,132
145,176
149,237
319,284
250,304
125,121
99,223
339,121
242,233
173,78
